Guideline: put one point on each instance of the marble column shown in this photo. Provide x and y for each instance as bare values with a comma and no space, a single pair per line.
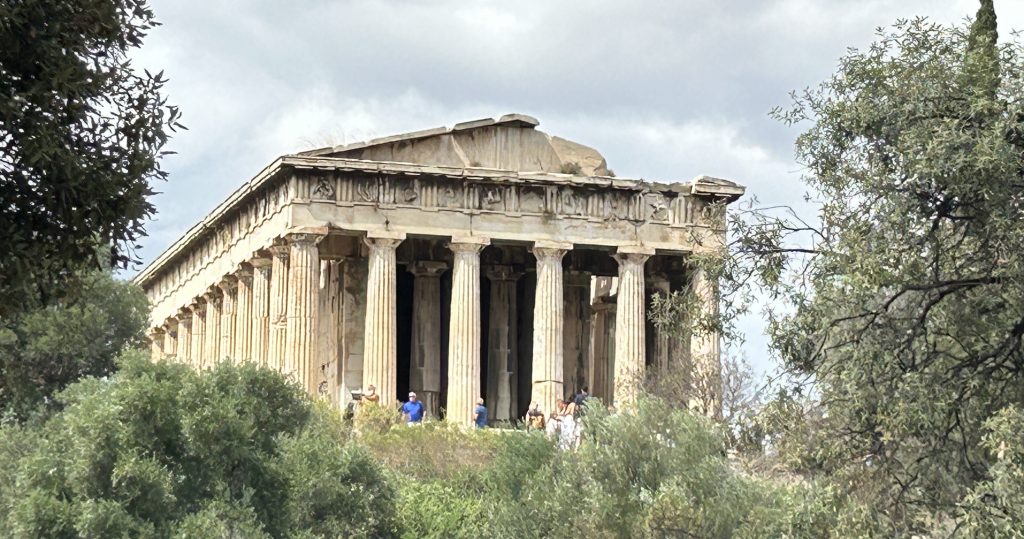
630,324
243,315
185,336
156,344
170,347
260,340
576,327
303,300
600,364
212,337
198,355
502,344
425,360
464,330
705,349
327,364
380,359
277,358
229,292
547,325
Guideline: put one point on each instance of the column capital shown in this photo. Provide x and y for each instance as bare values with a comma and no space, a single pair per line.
227,283
213,294
503,273
155,331
427,268
280,250
244,271
198,305
633,254
261,260
550,250
468,244
383,239
169,323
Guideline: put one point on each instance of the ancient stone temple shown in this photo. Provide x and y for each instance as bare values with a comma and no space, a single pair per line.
484,260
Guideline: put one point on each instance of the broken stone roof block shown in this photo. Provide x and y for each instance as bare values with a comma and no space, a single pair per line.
509,143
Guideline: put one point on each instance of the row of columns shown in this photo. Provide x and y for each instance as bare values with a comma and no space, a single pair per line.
266,312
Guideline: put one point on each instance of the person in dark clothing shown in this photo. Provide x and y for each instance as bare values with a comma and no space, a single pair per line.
580,397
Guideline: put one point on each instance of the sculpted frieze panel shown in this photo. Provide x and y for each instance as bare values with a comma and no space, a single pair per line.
531,199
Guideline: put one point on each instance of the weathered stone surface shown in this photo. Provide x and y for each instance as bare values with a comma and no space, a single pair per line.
464,329
425,360
323,309
380,361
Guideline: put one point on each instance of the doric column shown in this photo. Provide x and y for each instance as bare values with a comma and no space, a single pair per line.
705,349
600,375
464,330
170,347
380,361
547,325
243,315
185,336
228,290
277,358
260,343
502,346
198,333
303,300
576,328
212,337
630,324
425,361
156,344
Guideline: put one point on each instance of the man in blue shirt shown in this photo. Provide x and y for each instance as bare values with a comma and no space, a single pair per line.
412,410
480,414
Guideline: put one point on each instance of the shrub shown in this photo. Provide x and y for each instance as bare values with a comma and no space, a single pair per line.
159,450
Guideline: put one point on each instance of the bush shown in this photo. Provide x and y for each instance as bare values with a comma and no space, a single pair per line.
159,450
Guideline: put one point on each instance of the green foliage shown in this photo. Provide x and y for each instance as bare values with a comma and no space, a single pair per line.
657,472
995,507
44,350
81,134
902,302
158,450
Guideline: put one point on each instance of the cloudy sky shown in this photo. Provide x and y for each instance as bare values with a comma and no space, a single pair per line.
665,90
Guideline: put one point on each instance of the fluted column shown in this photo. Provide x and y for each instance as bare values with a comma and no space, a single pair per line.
228,291
212,337
185,336
260,344
576,328
630,324
156,344
425,360
547,325
198,333
303,300
170,347
243,315
599,357
705,349
380,361
277,358
502,345
464,330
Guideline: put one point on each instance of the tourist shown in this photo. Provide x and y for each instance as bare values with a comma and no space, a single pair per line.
371,396
551,429
580,398
412,410
567,435
534,417
480,414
